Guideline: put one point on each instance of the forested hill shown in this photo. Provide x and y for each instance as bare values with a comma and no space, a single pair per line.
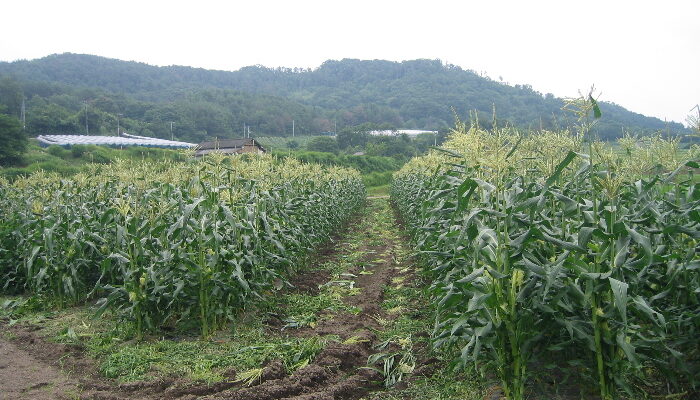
419,94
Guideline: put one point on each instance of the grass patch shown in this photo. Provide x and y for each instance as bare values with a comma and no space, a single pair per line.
382,190
409,304
249,347
445,385
302,310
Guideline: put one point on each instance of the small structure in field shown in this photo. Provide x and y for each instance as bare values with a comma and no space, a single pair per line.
229,146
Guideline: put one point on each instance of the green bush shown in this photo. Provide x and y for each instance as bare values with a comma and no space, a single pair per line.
13,173
364,164
61,168
101,155
377,178
57,151
147,152
324,144
78,150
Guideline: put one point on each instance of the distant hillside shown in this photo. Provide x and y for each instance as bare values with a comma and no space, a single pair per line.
418,94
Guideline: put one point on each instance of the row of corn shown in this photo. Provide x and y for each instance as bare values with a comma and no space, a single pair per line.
165,244
550,256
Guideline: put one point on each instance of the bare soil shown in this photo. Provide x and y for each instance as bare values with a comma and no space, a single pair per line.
23,376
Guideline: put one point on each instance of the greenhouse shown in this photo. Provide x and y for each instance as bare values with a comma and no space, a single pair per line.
124,140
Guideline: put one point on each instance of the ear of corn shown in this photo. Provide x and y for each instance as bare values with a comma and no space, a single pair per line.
539,252
163,243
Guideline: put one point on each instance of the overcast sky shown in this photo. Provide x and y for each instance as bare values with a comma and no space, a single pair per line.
643,55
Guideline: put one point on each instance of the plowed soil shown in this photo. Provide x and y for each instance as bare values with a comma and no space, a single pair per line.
33,368
23,376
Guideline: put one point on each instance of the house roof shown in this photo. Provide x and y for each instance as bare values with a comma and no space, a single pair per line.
227,144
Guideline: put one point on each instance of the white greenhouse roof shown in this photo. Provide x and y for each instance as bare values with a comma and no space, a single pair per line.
409,132
112,141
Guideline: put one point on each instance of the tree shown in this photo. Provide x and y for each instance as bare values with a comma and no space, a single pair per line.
398,147
323,143
11,95
358,135
13,141
50,118
352,136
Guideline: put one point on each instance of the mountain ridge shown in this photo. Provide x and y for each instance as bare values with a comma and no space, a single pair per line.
420,94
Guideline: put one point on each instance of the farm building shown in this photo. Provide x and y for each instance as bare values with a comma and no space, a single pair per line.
230,146
125,140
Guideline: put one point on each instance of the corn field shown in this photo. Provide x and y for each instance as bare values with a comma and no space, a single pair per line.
163,244
549,253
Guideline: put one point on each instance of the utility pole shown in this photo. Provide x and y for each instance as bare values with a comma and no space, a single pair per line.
172,137
244,129
292,128
24,115
118,115
87,131
335,128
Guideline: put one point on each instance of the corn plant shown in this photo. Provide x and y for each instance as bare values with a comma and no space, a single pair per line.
582,265
163,243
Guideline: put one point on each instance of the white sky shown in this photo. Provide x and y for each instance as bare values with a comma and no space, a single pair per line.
643,55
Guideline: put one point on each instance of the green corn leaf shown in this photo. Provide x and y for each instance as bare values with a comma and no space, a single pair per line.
596,109
515,147
584,236
472,276
619,290
538,270
675,229
621,250
459,323
564,245
464,193
478,301
653,315
447,151
570,156
119,257
622,341
642,241
597,275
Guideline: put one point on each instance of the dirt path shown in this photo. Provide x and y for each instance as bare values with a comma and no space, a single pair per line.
23,376
363,263
354,271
